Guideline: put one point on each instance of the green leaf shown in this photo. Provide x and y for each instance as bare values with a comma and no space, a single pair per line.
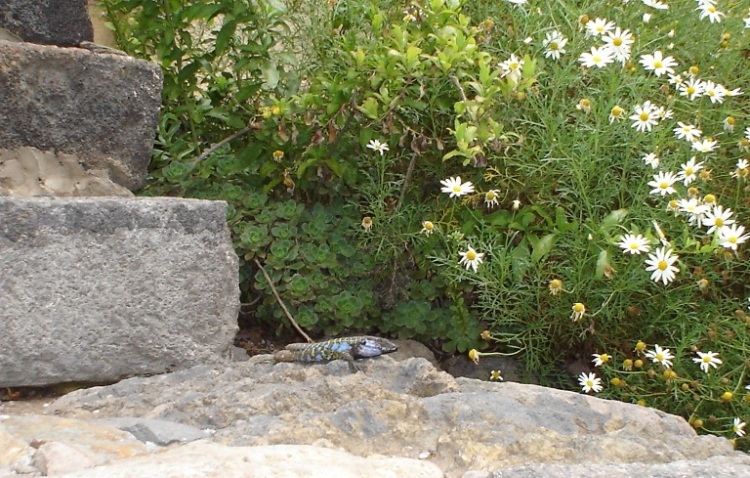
225,34
603,266
561,222
612,219
200,10
501,218
270,73
370,108
542,247
519,260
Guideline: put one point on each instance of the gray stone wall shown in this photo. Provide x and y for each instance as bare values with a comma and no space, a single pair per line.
94,289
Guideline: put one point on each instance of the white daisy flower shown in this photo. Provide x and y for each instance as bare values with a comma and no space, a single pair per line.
579,310
689,171
732,236
455,187
709,359
619,42
646,116
376,145
600,359
598,27
427,228
715,92
660,356
692,88
738,427
656,4
717,218
694,209
554,44
687,132
705,146
709,10
662,183
590,382
491,198
597,57
634,244
651,159
512,68
660,264
471,258
657,63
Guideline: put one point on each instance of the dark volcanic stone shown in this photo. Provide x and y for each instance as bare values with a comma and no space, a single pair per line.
48,22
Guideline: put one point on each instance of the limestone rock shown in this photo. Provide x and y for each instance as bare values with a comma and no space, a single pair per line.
405,409
210,460
34,443
101,108
95,289
51,22
55,458
29,172
158,432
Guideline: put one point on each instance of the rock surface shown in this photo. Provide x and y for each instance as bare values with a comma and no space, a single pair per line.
408,409
101,108
27,172
95,289
50,22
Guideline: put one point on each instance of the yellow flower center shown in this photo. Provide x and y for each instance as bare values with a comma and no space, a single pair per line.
617,111
658,64
691,89
689,171
513,66
706,359
596,59
428,225
617,41
643,116
553,46
489,196
709,199
663,185
732,239
694,70
471,255
659,357
711,9
730,120
662,265
578,308
634,245
456,189
719,222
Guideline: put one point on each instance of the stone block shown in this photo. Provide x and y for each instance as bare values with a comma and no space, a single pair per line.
95,289
101,108
27,172
49,22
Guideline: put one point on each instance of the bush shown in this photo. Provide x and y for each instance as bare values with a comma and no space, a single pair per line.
488,175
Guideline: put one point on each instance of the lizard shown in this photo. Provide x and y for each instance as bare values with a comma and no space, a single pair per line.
343,348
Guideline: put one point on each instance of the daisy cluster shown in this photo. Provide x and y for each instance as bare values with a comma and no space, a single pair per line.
662,358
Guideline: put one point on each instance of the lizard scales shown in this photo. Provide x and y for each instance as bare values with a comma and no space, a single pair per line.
344,348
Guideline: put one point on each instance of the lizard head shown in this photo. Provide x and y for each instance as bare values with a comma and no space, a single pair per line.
374,346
